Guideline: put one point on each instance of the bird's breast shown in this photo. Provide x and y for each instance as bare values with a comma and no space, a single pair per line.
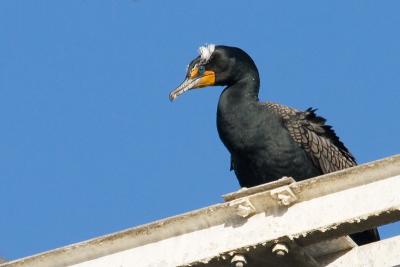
239,129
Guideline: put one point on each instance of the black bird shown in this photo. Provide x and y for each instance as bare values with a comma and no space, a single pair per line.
266,140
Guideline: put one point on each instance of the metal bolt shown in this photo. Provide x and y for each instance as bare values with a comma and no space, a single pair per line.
243,207
238,261
284,195
280,249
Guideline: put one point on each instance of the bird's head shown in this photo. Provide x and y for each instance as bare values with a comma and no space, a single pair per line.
215,65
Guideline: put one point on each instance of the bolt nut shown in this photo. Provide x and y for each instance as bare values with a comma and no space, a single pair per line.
243,207
280,250
284,195
238,261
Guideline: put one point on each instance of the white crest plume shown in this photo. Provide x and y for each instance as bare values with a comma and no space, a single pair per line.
206,51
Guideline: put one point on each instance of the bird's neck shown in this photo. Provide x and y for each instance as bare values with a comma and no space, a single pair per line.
236,108
242,92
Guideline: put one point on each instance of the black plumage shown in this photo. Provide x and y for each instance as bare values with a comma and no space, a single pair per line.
266,140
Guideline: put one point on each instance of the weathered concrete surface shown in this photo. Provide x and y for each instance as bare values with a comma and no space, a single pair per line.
244,192
325,207
378,254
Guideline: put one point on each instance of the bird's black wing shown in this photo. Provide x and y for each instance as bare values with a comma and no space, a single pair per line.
323,146
318,139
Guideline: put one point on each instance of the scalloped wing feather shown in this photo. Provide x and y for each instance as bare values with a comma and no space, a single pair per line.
319,140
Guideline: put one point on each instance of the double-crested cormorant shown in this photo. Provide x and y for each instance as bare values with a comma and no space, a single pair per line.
266,140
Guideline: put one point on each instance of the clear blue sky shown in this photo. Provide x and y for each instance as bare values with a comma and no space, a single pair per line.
89,142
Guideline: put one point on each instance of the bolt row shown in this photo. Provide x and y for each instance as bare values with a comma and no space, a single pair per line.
279,250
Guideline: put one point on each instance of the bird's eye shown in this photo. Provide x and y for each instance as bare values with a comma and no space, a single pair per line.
202,69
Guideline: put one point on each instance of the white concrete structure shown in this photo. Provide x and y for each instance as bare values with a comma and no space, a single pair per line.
284,223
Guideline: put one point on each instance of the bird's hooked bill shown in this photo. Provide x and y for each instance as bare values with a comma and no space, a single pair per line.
194,80
186,85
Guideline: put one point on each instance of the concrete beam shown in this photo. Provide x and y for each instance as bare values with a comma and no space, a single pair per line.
302,214
383,253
